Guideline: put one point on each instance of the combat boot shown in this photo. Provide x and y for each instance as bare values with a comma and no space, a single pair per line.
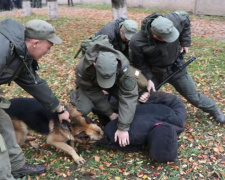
218,116
29,169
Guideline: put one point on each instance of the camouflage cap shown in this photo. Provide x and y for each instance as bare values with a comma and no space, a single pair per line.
106,68
164,28
39,29
129,27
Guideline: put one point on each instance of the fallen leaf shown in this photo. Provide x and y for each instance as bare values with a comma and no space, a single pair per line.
144,177
34,144
97,158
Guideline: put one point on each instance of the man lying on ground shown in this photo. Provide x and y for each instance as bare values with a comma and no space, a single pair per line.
157,123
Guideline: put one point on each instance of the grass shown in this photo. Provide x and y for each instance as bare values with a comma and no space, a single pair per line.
201,146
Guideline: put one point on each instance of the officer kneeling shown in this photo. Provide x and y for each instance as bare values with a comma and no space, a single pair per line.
101,70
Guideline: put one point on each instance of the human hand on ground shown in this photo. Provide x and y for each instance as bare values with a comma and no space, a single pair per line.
122,137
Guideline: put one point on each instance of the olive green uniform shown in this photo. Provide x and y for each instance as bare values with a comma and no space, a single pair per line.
17,65
11,155
156,59
90,94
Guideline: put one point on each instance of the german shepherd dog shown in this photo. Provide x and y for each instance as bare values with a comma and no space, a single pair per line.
29,113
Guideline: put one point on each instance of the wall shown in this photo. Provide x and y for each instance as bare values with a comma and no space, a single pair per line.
210,7
204,7
163,4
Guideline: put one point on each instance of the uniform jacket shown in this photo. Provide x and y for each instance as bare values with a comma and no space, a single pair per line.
17,65
147,52
112,30
124,89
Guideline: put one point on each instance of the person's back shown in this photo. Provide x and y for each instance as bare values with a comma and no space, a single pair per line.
156,123
112,30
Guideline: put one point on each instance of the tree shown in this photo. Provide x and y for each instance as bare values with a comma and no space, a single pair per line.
53,10
119,8
26,7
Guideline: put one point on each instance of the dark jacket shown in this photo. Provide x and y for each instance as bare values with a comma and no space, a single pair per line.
112,30
17,65
147,52
125,87
161,108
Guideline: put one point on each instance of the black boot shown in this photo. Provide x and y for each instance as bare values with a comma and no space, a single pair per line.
29,169
218,116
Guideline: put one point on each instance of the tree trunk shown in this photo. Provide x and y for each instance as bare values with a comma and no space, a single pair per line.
119,8
26,7
53,10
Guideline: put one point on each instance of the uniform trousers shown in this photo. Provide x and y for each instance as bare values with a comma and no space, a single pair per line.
185,85
11,155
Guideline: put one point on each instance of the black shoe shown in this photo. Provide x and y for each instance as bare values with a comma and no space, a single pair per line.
218,116
29,169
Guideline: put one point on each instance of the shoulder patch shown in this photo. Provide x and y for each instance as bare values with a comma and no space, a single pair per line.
128,83
124,69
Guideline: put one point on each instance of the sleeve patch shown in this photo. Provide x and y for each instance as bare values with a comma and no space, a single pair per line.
128,83
124,69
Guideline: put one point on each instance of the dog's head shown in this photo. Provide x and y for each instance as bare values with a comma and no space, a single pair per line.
90,134
83,129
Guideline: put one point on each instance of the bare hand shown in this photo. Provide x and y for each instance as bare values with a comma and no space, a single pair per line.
150,86
144,97
123,137
105,92
113,116
64,116
184,49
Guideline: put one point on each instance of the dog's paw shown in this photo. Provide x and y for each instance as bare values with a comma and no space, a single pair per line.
79,160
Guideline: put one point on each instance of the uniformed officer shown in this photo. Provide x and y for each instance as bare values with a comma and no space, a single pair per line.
119,33
104,69
156,52
22,46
